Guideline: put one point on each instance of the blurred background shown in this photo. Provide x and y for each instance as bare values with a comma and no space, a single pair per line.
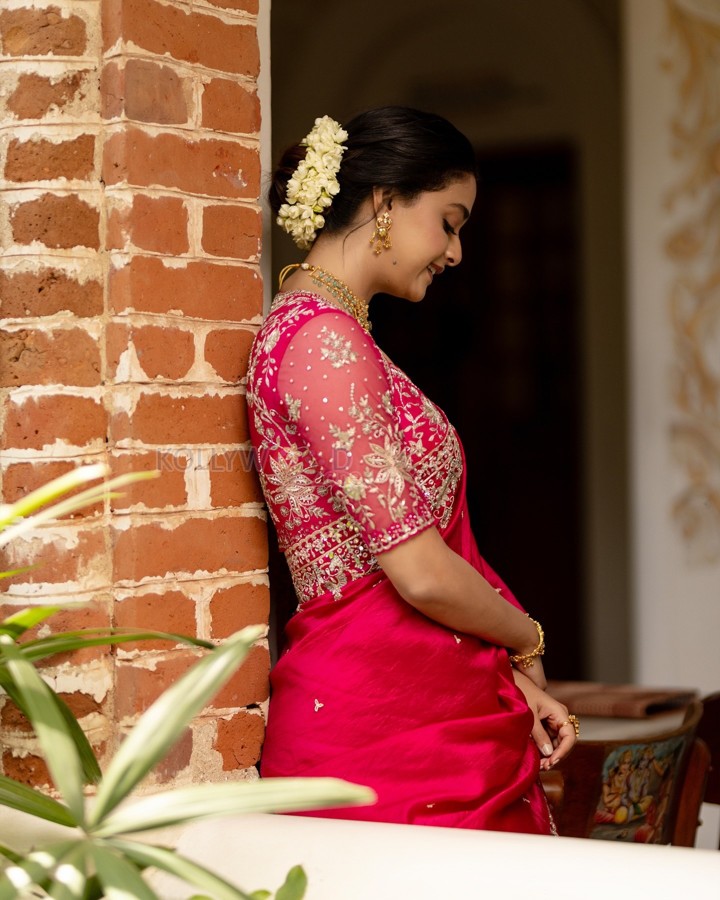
577,349
523,345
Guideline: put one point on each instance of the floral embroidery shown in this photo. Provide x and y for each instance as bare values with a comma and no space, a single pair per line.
392,462
338,351
354,487
293,407
289,483
344,440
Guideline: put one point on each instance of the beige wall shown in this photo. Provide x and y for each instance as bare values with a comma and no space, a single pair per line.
673,120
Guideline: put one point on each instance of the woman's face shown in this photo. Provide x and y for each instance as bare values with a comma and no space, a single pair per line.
425,238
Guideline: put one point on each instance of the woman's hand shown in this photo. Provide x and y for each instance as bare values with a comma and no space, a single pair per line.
552,732
534,673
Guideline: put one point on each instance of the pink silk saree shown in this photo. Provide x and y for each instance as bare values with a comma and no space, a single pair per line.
368,689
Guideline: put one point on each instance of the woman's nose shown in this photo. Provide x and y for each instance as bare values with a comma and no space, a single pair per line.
453,254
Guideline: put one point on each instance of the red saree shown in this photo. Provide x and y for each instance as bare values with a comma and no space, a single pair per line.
369,689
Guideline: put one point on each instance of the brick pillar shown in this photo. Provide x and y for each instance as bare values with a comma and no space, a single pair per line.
130,293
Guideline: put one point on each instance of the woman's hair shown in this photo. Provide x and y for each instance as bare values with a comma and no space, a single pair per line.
393,147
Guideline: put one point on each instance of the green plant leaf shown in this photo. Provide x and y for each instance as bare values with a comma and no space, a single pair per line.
64,507
34,868
10,854
67,641
51,491
295,885
53,734
28,800
11,573
163,723
120,879
205,801
70,874
181,867
20,622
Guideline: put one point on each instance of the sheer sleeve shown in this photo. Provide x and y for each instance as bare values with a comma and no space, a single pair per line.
334,387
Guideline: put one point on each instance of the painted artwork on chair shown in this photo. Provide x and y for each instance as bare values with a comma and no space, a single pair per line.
637,786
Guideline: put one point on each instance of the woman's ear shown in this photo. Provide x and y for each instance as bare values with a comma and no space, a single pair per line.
382,199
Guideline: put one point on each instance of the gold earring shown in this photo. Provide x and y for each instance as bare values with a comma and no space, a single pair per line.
380,239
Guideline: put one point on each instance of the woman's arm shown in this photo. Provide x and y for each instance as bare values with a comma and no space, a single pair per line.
444,587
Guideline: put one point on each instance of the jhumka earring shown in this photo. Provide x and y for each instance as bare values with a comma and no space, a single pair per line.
380,239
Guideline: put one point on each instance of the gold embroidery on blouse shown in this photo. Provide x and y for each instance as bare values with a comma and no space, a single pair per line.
419,455
339,352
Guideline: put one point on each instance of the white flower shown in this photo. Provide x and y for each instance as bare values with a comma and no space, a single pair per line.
314,183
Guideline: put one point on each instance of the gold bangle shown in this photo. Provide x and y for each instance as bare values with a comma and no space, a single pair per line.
528,659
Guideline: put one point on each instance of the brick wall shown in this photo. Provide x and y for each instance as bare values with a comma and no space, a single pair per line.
130,292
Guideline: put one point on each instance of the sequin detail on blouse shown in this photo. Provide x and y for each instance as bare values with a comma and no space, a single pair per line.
352,457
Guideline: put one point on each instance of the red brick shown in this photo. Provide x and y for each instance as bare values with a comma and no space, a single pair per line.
233,608
233,479
79,554
40,421
112,91
20,479
197,38
161,419
34,95
168,490
250,6
39,32
217,168
177,759
152,223
89,615
203,290
228,350
48,292
159,224
234,544
12,720
40,160
27,769
229,106
169,611
57,222
81,705
239,740
154,93
250,684
62,356
136,687
162,351
232,231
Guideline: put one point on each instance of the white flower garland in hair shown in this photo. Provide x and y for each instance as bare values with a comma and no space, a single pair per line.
314,183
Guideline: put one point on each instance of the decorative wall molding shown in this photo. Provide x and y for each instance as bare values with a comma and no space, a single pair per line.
692,205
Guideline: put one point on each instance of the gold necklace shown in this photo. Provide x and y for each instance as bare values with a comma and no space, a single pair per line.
337,289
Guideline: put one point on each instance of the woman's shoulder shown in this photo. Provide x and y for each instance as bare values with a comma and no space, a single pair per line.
304,316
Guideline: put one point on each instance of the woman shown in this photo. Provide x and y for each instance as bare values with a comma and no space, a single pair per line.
410,667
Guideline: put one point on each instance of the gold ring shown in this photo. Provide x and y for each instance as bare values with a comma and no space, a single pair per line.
574,721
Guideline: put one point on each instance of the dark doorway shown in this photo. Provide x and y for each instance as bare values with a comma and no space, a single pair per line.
496,343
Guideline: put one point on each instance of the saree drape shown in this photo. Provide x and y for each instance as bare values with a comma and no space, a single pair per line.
369,689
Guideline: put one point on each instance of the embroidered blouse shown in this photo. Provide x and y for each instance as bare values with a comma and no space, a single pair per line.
352,457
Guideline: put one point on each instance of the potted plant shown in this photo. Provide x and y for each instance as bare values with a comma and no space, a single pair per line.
98,855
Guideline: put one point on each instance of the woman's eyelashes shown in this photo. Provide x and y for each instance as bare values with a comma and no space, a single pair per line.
448,227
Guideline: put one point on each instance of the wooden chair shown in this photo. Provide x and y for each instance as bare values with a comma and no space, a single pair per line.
643,790
709,731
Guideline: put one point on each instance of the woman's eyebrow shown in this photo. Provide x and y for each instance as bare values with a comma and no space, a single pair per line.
463,209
